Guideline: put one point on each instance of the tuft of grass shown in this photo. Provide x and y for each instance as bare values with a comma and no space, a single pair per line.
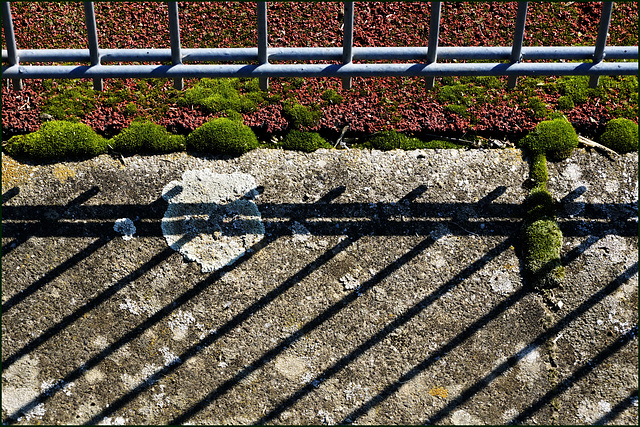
58,139
621,135
555,138
304,141
222,136
147,137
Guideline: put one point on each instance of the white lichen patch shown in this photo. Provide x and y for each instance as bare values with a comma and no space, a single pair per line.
589,411
501,283
462,417
20,386
169,357
210,218
291,367
349,282
125,227
179,324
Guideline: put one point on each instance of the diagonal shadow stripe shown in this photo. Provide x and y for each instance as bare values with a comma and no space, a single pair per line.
221,331
49,276
580,373
379,336
90,305
456,341
165,311
305,329
129,336
537,342
630,400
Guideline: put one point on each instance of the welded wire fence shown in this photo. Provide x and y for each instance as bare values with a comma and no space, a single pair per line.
433,61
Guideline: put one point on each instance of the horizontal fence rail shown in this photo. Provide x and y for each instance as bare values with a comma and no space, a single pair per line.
430,61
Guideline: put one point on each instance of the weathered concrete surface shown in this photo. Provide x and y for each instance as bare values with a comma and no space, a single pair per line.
386,290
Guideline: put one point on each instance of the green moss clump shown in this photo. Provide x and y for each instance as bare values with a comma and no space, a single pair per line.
539,204
538,107
300,116
222,136
542,244
539,168
556,138
331,96
143,136
70,103
304,141
621,135
565,103
458,109
388,140
436,143
58,139
214,95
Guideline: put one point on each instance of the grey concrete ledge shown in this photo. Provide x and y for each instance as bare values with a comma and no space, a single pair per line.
386,289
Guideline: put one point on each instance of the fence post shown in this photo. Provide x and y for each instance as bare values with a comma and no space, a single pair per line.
434,35
10,37
347,41
92,38
518,37
174,33
601,40
263,41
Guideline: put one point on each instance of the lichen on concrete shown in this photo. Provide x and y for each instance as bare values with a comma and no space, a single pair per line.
211,218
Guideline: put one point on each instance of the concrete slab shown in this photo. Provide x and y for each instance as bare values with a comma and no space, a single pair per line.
386,288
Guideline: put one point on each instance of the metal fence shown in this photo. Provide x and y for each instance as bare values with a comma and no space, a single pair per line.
512,61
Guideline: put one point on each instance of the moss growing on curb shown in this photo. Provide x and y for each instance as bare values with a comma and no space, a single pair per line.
222,136
304,141
542,243
539,204
388,140
556,138
58,139
620,135
539,168
436,143
147,137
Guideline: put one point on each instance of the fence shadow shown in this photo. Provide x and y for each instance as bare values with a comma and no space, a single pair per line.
326,217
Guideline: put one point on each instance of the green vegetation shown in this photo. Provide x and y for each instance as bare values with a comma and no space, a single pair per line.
542,237
215,95
539,172
70,103
555,138
620,135
331,96
539,204
222,136
304,141
542,244
57,139
393,140
436,143
147,137
388,140
300,116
